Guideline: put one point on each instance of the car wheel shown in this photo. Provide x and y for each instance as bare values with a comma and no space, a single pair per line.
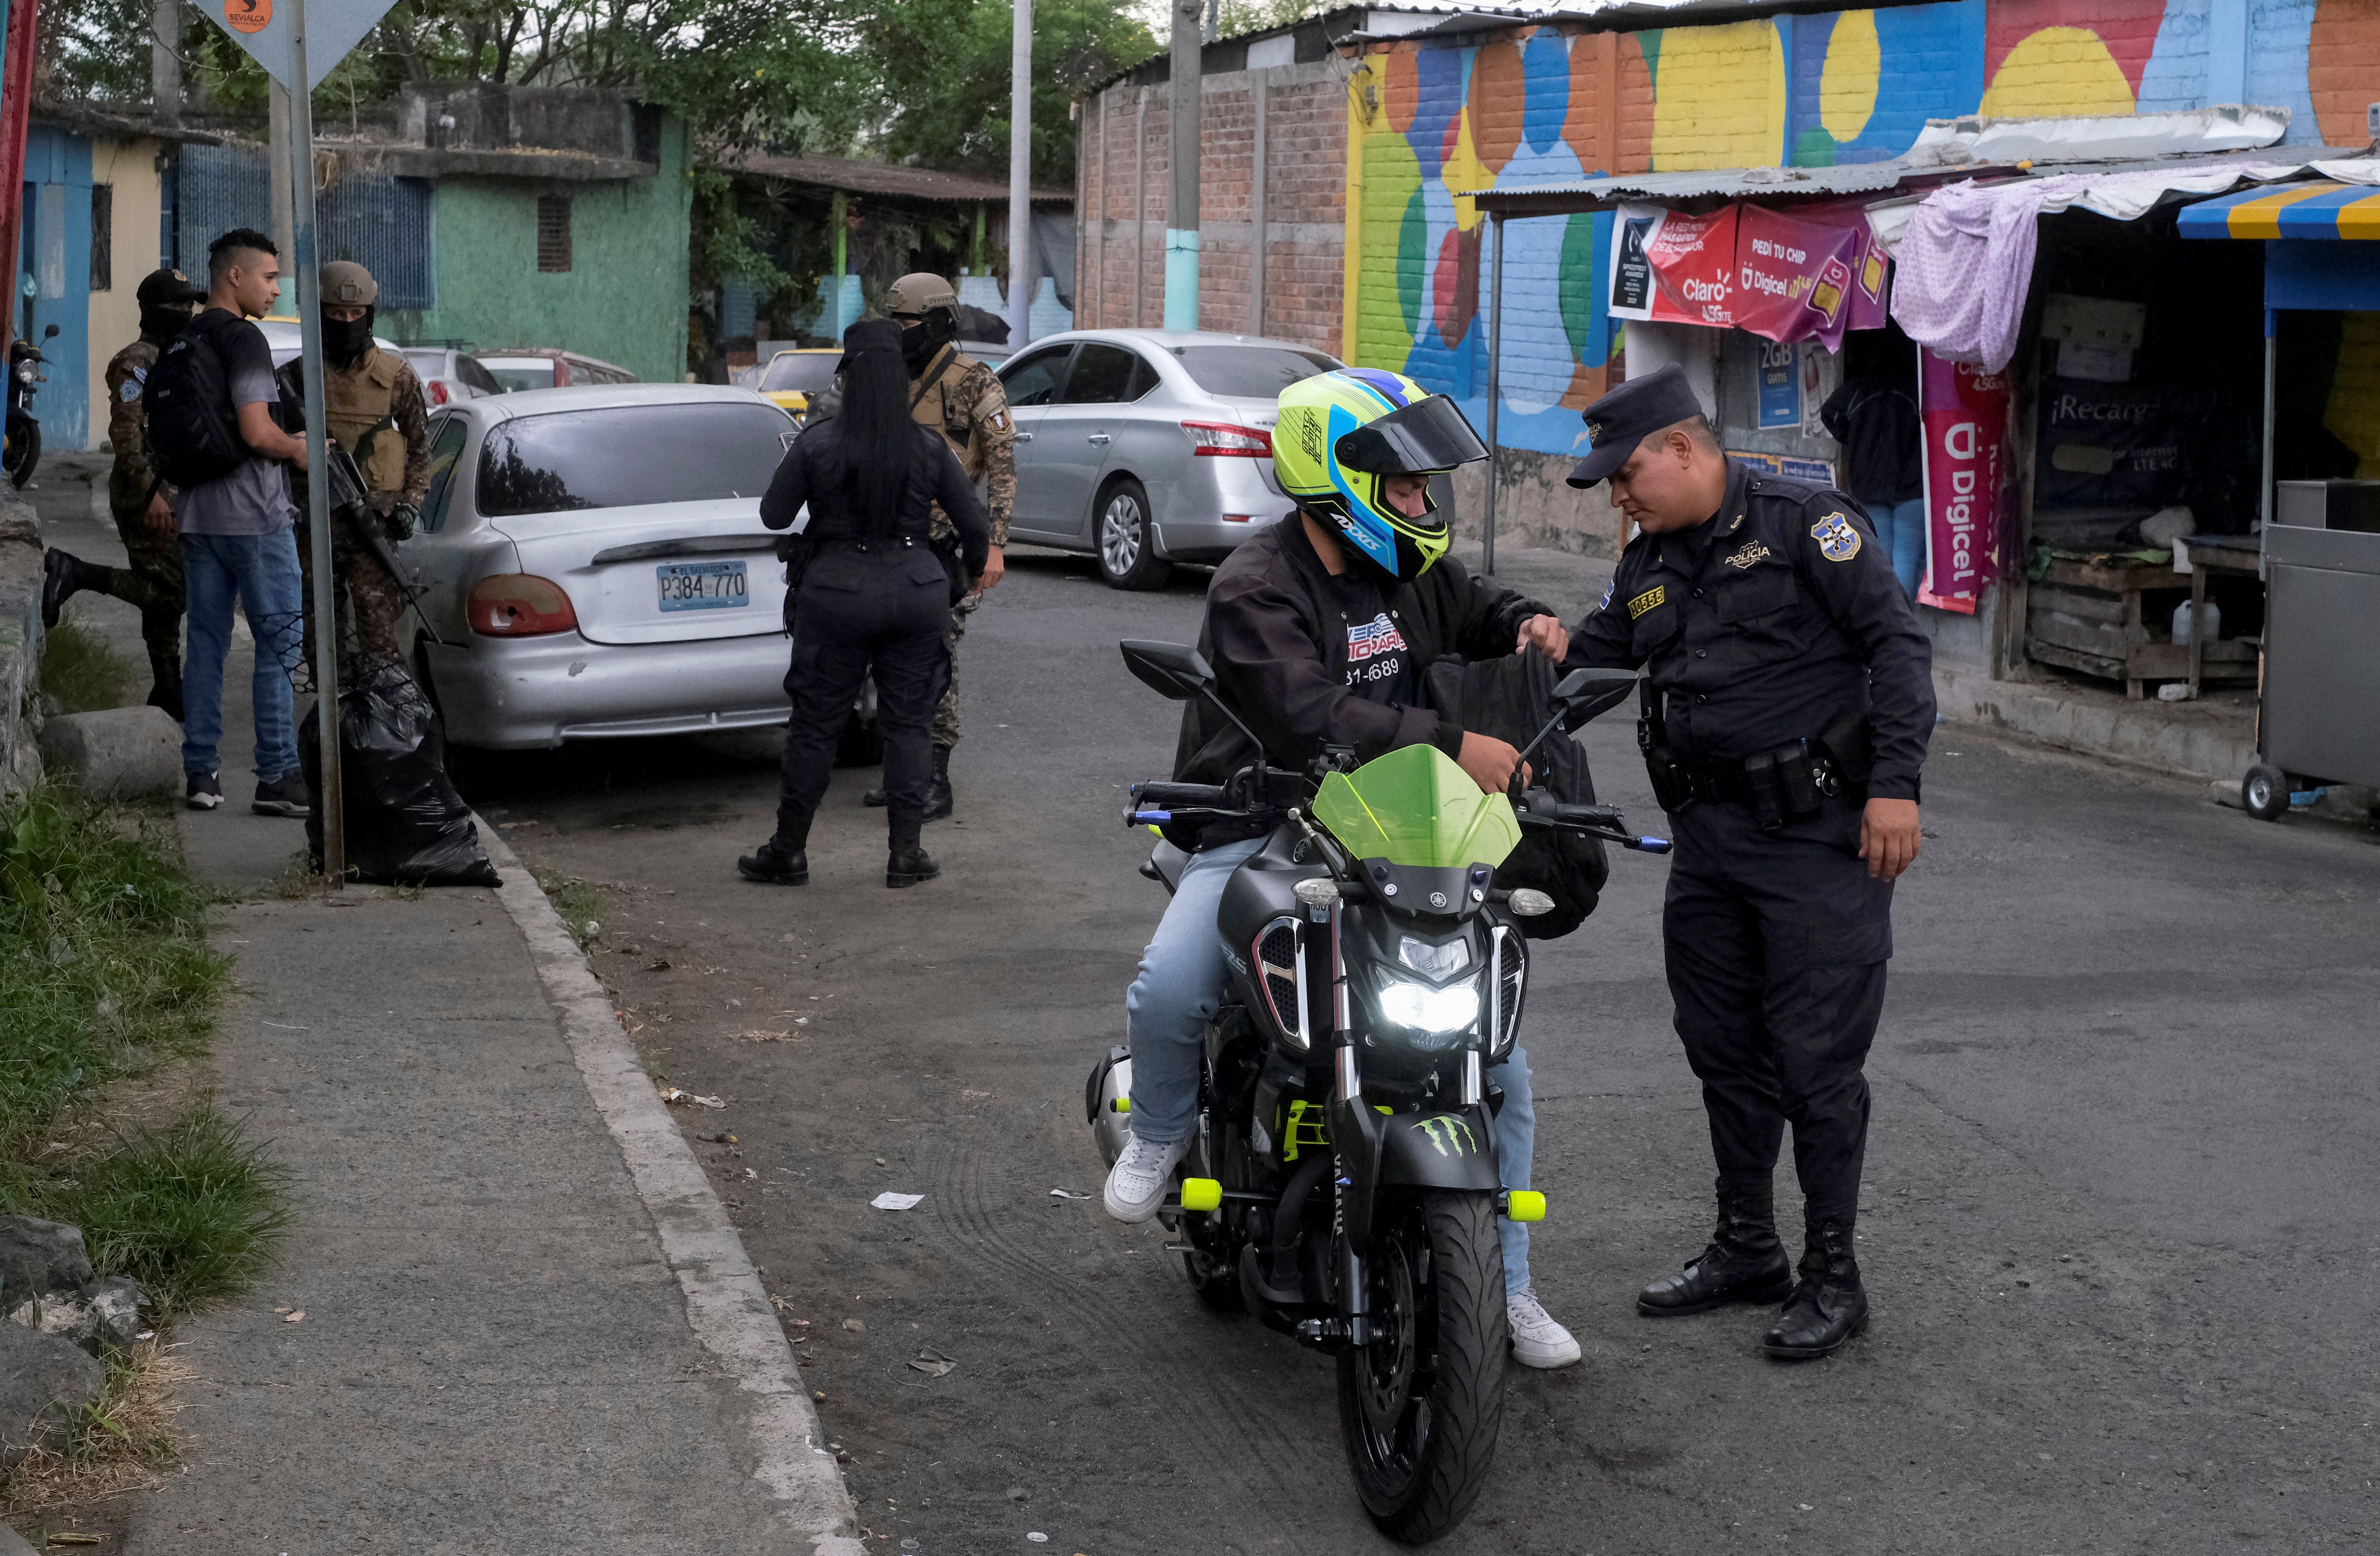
1128,557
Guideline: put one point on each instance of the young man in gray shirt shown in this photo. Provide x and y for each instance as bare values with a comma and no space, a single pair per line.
238,543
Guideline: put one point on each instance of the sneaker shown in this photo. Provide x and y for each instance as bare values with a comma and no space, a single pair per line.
1136,1184
1538,1341
203,792
286,795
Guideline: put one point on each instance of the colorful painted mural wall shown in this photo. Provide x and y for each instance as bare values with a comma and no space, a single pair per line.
1546,106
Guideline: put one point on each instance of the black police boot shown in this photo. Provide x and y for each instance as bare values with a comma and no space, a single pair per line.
777,863
908,864
1829,1306
64,577
1745,1261
938,787
876,799
165,684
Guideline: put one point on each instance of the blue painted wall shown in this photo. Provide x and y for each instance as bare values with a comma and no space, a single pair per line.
53,282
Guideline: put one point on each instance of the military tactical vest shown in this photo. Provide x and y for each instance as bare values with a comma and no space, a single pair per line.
931,405
359,404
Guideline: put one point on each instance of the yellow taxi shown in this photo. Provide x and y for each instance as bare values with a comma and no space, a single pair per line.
793,376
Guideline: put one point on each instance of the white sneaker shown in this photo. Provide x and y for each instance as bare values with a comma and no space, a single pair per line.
1136,1184
1538,1341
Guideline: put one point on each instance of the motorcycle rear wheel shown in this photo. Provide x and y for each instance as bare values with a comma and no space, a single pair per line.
1421,1406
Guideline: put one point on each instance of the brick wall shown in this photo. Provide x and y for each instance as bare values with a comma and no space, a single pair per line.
1306,194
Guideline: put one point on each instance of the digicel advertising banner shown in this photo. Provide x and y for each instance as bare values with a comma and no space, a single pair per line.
1748,268
1965,412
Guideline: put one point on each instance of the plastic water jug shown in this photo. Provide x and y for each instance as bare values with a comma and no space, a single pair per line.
2210,616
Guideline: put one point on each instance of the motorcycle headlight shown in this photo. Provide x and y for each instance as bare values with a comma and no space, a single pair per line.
24,372
1434,1012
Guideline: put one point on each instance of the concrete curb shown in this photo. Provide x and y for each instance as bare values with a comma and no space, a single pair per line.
725,1305
2117,734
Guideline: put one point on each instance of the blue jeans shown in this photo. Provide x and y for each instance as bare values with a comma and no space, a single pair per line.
1900,527
260,572
1181,985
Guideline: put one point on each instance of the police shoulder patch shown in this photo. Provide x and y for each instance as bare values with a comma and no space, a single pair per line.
131,390
998,420
1648,601
1837,539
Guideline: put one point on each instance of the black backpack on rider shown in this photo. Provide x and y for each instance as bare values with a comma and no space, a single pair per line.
1511,698
193,428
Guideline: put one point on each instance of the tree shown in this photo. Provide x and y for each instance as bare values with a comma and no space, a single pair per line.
942,68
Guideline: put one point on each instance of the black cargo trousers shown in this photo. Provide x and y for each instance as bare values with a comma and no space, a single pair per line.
884,607
1776,942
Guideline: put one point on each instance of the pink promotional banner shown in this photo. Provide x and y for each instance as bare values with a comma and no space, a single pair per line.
1965,412
1745,266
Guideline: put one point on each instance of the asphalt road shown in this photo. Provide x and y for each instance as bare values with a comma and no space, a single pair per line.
2122,1217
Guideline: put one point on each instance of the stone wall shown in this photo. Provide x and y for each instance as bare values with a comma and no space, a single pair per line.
20,643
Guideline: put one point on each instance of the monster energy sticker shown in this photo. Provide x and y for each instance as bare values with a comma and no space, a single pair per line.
1451,1136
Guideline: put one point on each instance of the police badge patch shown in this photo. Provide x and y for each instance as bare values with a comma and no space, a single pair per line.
1838,541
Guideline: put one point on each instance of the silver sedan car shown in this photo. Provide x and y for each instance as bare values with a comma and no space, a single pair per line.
1147,447
592,564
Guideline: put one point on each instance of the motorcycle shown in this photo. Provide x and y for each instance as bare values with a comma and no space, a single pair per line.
24,439
1343,1182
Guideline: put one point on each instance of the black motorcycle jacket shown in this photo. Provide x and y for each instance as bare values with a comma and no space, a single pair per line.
1278,640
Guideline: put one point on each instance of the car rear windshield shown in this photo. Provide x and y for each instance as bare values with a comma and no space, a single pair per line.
1253,372
626,455
801,371
534,373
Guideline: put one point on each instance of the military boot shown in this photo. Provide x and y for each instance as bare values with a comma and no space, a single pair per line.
63,577
907,863
165,684
1829,1306
1745,1261
777,862
938,788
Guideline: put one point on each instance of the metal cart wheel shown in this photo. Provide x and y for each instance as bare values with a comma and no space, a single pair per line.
2265,793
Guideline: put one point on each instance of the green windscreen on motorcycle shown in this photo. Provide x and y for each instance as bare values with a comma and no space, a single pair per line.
1415,807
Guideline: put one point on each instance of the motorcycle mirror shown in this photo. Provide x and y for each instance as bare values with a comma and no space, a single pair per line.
1172,671
1527,902
48,333
1579,685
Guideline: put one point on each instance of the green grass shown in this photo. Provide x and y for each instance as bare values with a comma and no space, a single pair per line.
79,673
195,1211
580,905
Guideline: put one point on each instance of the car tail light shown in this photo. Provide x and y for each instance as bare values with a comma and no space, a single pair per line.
437,391
1229,439
518,605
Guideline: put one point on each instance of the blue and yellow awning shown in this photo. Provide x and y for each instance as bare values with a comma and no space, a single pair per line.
2319,210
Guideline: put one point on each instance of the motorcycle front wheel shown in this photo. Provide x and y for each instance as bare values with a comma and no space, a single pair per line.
24,452
1421,1406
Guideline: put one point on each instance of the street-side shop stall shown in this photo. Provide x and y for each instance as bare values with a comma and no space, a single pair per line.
2088,384
2318,717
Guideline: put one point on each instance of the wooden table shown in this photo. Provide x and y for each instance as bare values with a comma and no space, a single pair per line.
2214,553
2086,614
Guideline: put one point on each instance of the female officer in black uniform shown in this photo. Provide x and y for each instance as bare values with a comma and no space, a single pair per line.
875,595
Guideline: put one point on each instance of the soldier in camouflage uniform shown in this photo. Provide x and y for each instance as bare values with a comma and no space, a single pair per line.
373,401
151,579
960,398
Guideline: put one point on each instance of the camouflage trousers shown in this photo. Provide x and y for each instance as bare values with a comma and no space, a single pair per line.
375,603
946,712
150,582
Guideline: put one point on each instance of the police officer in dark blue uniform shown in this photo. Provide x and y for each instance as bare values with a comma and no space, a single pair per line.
1786,703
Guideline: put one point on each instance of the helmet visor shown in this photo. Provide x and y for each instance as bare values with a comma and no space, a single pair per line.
1426,436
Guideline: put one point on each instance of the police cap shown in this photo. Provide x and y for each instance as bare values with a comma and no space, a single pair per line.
163,288
1621,419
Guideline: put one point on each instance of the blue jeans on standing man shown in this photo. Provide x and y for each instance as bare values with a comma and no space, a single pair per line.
1901,528
1181,986
260,572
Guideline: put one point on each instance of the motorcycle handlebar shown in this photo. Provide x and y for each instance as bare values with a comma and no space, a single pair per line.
1176,797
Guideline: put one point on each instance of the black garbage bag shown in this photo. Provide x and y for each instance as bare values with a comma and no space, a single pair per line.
405,825
1511,699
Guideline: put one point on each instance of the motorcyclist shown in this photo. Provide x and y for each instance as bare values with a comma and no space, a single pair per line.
1319,629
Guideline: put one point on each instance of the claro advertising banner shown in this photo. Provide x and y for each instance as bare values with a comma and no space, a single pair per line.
1748,268
1966,411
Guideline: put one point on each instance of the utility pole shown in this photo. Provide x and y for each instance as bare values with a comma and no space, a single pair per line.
165,63
1020,178
1181,210
283,179
299,110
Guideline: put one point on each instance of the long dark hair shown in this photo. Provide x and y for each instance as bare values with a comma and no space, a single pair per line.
878,441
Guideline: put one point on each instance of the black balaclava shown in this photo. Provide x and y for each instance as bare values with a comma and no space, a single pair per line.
161,321
345,342
919,345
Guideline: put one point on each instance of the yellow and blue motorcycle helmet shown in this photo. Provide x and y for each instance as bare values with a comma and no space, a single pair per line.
1341,432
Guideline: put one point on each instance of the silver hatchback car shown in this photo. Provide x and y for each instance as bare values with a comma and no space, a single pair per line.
1149,447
